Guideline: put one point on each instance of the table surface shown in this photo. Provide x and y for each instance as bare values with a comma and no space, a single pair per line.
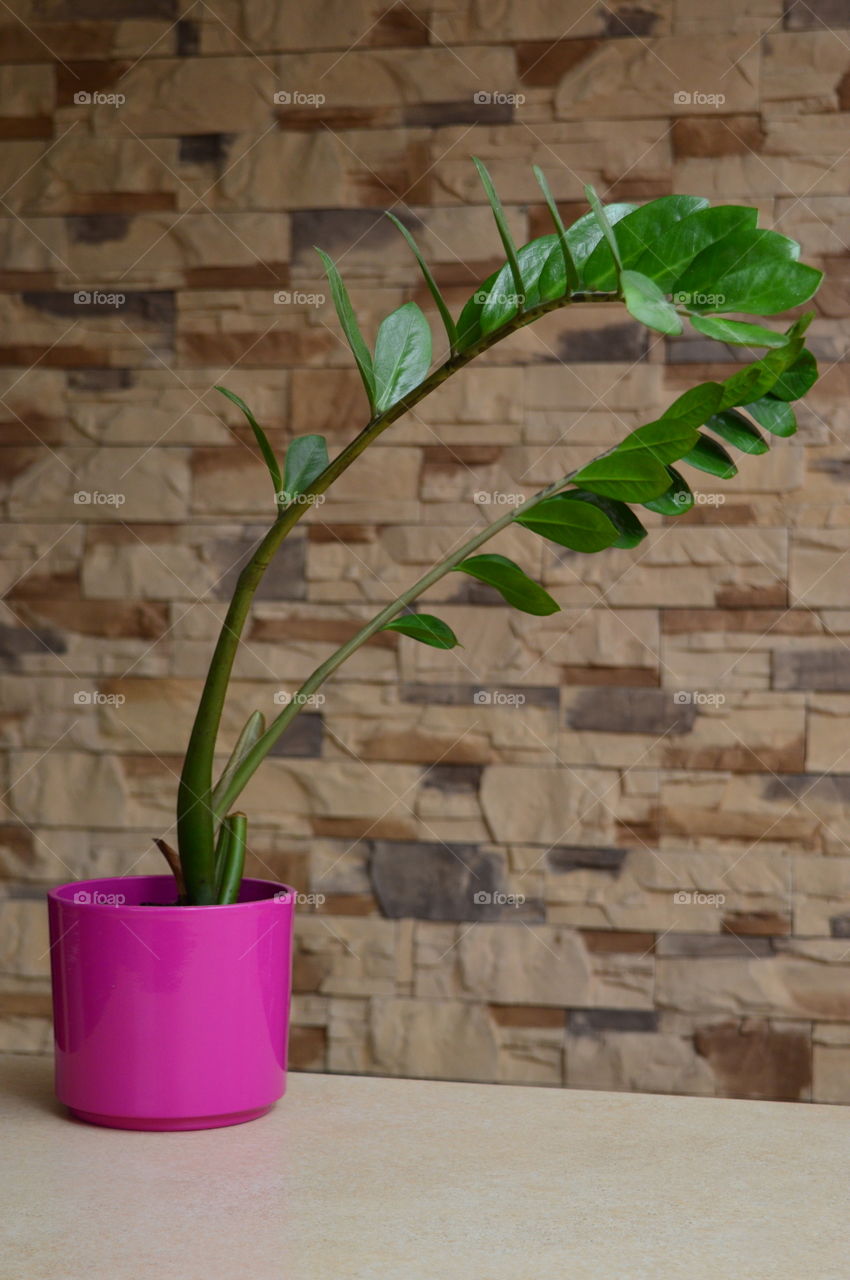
357,1178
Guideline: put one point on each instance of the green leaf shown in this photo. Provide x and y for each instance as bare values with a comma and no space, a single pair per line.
735,429
259,435
585,235
511,582
605,226
636,470
621,516
674,501
469,321
638,233
737,332
646,302
445,314
668,256
306,458
402,355
255,727
696,405
800,325
750,271
350,327
501,222
776,416
570,269
758,378
708,455
425,628
503,302
795,381
571,521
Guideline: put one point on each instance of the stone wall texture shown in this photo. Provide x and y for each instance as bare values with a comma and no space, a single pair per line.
604,849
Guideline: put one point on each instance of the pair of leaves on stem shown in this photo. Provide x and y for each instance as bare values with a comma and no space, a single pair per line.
304,461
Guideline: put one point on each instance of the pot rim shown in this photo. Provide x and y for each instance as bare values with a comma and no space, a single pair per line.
64,894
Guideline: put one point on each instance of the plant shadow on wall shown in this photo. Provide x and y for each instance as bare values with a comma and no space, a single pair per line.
673,260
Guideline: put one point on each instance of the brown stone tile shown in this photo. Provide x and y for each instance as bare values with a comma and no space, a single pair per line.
26,127
628,676
322,630
774,596
25,1004
108,619
756,923
611,940
121,202
542,63
348,904
752,1060
400,26
307,1047
89,77
527,1015
258,275
341,533
793,622
357,828
717,136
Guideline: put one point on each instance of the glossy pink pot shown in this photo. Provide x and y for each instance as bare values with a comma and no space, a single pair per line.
169,1017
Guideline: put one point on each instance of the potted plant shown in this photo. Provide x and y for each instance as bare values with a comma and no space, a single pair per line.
171,993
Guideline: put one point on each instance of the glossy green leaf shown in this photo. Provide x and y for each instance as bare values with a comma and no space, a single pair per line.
402,354
737,332
737,430
445,314
350,327
469,320
675,500
255,727
646,302
637,233
570,269
503,302
696,405
511,582
757,379
707,455
605,226
586,234
571,521
795,381
501,222
750,271
800,325
776,416
622,517
636,470
667,257
259,435
425,628
306,458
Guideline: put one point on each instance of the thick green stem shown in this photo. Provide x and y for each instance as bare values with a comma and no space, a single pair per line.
263,745
195,817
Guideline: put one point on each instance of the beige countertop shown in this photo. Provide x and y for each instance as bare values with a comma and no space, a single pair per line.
353,1178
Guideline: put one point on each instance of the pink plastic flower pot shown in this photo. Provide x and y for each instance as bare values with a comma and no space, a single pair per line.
169,1017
